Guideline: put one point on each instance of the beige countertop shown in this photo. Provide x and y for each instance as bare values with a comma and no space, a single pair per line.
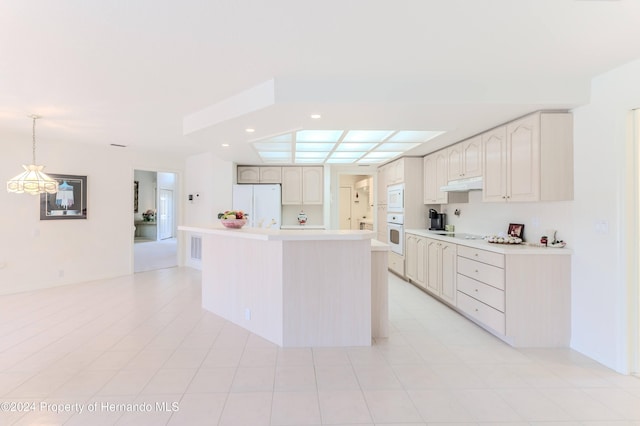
281,234
497,248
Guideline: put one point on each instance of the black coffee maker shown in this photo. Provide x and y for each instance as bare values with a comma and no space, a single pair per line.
436,220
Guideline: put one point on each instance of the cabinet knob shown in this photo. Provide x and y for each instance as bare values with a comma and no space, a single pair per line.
476,309
476,255
476,290
476,271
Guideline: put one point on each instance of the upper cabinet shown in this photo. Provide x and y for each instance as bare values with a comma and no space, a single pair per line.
435,171
395,172
529,159
302,185
255,174
464,159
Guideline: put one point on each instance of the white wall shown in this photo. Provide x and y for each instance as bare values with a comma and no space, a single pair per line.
599,290
38,254
481,218
212,179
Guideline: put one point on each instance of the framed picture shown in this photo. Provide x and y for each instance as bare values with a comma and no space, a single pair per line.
516,230
70,202
136,186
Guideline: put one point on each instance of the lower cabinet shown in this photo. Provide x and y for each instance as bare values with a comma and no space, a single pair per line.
524,298
416,259
481,281
431,265
441,270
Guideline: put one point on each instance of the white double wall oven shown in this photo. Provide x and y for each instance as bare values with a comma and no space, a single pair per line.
395,218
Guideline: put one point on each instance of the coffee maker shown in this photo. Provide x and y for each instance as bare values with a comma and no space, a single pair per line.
436,220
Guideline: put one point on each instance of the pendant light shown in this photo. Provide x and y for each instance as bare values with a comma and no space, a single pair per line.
33,180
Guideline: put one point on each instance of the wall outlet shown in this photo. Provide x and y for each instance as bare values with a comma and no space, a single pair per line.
247,314
601,226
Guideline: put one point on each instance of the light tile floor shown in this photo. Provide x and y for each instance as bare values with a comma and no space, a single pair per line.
139,350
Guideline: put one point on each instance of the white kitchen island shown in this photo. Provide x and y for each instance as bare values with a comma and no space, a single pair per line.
295,288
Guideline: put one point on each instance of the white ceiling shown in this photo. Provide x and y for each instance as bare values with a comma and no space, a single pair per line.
141,72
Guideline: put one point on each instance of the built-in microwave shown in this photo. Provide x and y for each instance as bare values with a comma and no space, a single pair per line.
395,198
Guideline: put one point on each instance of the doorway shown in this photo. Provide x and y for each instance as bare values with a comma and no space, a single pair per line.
355,203
633,244
155,244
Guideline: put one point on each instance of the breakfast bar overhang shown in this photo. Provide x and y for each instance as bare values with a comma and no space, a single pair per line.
296,288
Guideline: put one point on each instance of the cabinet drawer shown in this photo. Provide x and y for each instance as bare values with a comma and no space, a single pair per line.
482,292
489,257
481,272
481,312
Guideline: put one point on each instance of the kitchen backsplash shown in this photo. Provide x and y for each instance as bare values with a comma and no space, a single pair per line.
314,214
481,218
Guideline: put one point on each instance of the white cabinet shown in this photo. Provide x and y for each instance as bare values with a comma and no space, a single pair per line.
435,176
312,187
302,185
464,159
529,159
395,172
415,259
441,270
270,174
481,284
255,174
525,299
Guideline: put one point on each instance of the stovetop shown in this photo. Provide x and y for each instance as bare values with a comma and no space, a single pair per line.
460,235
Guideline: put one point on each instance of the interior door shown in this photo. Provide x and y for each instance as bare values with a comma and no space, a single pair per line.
345,207
165,214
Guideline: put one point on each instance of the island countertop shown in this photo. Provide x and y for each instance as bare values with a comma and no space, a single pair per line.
281,234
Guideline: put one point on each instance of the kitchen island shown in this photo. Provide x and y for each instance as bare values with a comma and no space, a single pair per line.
295,288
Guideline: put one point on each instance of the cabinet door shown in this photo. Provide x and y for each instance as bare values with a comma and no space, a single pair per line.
441,177
421,262
494,159
248,174
429,173
449,272
471,156
523,150
411,256
312,192
433,269
292,185
270,174
454,160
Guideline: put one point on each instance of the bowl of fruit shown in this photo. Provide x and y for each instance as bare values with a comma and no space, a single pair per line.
233,219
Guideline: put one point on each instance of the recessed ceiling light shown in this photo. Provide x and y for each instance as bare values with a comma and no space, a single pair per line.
316,116
249,130
225,145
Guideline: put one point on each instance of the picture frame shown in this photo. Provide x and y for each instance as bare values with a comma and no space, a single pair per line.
70,202
516,230
136,186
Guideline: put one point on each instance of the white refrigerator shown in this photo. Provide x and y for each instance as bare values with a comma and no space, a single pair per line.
261,202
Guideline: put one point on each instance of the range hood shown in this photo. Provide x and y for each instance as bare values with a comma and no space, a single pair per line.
463,185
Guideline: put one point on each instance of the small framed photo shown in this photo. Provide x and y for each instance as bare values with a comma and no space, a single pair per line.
70,202
516,230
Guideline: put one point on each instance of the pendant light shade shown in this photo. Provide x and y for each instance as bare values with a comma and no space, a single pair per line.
33,180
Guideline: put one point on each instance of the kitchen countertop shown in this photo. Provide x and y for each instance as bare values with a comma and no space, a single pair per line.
281,234
497,248
303,227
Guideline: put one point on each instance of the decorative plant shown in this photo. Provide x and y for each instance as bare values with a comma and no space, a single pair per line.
149,215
